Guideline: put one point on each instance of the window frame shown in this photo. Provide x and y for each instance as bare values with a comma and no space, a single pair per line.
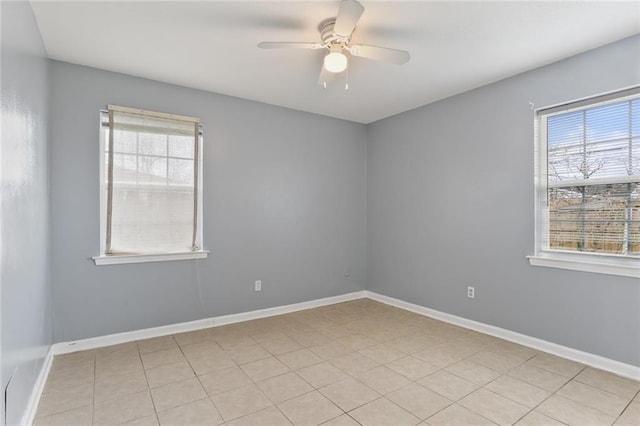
602,263
114,259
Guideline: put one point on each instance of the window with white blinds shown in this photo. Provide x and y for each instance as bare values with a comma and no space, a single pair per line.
590,176
151,182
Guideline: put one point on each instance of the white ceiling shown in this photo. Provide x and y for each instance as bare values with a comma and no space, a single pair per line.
454,46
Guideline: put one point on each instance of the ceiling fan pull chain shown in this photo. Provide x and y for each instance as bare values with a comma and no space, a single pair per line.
346,80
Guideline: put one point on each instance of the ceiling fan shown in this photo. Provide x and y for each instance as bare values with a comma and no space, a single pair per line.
335,34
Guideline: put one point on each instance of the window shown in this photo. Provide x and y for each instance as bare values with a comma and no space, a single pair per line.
151,187
588,185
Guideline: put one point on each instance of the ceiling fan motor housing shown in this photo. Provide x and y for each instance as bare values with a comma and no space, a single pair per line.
328,36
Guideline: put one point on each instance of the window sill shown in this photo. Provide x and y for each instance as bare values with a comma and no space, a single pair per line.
606,265
143,258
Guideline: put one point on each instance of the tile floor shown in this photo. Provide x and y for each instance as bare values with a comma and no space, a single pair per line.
358,362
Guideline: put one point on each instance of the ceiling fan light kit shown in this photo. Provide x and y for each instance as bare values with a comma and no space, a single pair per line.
336,36
335,62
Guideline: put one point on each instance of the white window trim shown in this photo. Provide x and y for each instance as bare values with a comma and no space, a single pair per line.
144,258
585,262
104,259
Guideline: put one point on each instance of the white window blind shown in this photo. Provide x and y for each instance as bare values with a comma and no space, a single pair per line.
152,178
592,176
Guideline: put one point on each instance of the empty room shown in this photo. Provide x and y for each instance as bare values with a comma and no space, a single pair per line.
341,212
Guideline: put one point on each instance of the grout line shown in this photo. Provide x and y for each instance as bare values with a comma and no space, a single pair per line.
144,371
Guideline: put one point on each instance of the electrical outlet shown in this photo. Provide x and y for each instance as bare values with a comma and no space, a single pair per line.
471,292
258,285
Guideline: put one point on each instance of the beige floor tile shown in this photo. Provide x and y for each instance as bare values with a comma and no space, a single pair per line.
162,357
514,350
322,374
70,377
127,363
418,400
65,399
116,351
299,359
169,373
572,413
541,378
330,350
498,362
200,413
264,368
240,402
200,349
349,394
246,354
383,335
150,420
555,364
518,391
268,335
123,409
339,350
73,360
412,368
537,419
270,416
494,407
281,346
156,344
224,380
309,409
383,380
357,341
411,344
382,353
343,420
234,341
204,364
446,384
192,337
312,338
473,372
281,388
354,363
609,382
594,397
456,415
439,356
116,385
82,416
178,393
630,416
335,332
383,412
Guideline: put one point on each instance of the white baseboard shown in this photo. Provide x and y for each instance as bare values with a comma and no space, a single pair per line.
38,388
130,336
596,361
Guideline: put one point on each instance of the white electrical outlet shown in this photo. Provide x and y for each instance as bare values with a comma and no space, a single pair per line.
471,292
258,286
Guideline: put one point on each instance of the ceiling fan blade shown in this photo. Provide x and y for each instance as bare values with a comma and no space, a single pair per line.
326,77
349,13
289,45
392,56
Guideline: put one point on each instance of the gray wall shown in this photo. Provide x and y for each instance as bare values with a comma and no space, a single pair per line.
25,285
284,202
450,204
